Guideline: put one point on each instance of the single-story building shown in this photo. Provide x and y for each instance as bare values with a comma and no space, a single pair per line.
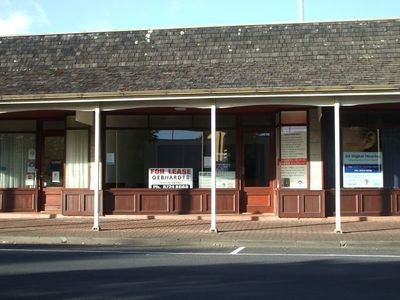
130,118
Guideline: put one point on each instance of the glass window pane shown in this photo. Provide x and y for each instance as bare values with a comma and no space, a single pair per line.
391,161
223,121
201,121
176,149
17,125
362,157
125,154
256,120
53,161
225,160
77,159
54,125
170,121
126,121
131,153
17,161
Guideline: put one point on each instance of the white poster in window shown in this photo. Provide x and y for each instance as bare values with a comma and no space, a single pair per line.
170,178
224,180
31,168
110,159
55,177
31,154
293,142
294,164
30,179
362,170
207,162
294,175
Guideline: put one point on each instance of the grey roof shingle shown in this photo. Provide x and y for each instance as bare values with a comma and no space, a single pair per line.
258,56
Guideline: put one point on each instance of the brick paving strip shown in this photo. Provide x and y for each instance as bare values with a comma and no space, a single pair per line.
176,230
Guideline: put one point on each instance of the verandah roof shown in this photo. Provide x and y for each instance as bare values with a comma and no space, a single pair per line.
232,59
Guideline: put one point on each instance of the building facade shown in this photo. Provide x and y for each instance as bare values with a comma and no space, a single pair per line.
125,120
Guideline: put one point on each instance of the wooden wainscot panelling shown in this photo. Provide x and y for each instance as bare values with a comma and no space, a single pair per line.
3,200
146,201
185,202
301,204
227,201
377,203
154,202
395,202
79,202
259,201
349,203
124,202
52,199
22,200
361,202
290,205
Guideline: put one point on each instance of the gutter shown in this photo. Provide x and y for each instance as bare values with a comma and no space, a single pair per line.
122,98
332,91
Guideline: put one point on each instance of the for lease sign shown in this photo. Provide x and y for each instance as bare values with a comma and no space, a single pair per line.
170,178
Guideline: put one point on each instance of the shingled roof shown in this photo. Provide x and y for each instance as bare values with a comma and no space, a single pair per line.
255,57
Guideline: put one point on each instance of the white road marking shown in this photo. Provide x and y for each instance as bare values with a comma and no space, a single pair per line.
236,251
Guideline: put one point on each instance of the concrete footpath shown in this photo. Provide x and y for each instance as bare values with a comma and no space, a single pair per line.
193,230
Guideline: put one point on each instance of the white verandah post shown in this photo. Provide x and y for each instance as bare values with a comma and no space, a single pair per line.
338,228
213,227
96,170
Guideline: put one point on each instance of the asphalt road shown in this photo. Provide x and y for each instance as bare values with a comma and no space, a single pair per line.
61,272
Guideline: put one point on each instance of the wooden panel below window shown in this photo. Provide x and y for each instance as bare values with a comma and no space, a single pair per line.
301,204
225,203
2,200
372,204
349,204
259,200
79,202
361,202
124,203
148,201
395,202
184,203
21,200
71,203
290,204
154,202
313,204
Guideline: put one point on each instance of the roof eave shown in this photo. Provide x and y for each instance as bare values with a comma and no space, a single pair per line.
206,92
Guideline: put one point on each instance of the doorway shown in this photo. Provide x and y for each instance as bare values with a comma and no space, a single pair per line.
258,170
51,178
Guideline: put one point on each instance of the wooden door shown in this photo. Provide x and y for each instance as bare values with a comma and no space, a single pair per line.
52,172
258,170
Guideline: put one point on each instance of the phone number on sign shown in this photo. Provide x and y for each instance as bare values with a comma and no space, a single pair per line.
170,186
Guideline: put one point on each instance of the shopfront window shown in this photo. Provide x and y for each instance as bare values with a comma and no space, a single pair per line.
293,150
17,160
362,157
167,158
370,143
